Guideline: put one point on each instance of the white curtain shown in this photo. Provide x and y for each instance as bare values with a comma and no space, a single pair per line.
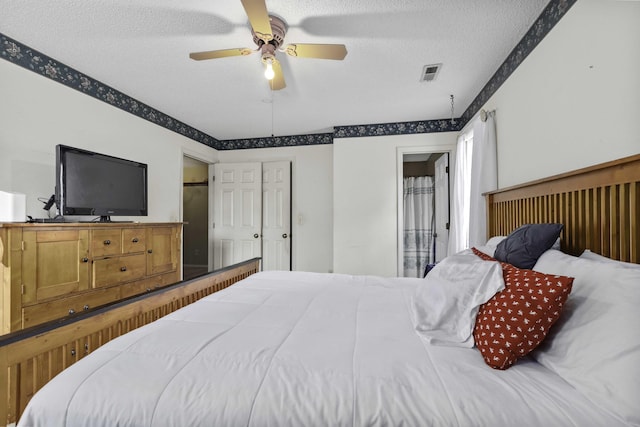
418,224
476,172
484,177
459,223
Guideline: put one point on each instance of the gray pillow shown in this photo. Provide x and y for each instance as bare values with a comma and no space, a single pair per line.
523,246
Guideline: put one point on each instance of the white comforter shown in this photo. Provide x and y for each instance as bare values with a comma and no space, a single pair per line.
301,349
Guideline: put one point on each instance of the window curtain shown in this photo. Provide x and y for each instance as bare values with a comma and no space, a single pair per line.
476,172
459,221
418,224
484,177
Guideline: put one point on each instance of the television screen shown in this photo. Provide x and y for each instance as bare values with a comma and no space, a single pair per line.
90,183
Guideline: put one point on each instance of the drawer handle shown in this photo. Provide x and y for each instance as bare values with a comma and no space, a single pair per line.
150,251
85,259
86,307
123,268
73,351
72,311
135,240
107,242
148,289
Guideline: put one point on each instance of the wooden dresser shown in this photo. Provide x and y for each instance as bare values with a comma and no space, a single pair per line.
49,271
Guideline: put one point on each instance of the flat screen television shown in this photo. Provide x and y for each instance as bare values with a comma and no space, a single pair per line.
95,184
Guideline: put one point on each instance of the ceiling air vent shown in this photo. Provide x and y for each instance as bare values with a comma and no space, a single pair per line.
430,72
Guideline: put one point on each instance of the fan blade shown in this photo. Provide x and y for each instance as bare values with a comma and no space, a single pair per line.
214,54
258,18
277,82
321,51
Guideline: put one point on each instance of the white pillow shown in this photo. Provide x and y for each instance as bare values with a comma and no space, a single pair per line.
587,254
489,248
446,302
595,345
495,240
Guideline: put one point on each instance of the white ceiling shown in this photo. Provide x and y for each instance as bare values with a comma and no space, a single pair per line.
141,48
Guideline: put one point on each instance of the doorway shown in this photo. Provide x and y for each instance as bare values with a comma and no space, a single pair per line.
195,214
423,210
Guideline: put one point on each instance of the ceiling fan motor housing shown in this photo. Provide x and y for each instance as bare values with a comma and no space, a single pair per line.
278,29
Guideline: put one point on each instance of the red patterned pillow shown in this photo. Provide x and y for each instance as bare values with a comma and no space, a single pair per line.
516,320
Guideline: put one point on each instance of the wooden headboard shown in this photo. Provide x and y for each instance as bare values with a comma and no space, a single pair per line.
598,205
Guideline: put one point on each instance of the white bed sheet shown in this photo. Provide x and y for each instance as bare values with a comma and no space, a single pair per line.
301,349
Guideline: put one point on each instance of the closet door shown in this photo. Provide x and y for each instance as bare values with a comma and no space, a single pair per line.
276,216
237,208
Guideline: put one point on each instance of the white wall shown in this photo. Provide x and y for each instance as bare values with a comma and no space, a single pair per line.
365,199
311,199
37,113
575,100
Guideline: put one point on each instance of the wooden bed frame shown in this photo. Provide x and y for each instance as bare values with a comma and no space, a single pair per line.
31,357
598,205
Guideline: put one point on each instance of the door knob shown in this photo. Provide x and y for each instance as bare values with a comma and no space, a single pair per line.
284,236
255,236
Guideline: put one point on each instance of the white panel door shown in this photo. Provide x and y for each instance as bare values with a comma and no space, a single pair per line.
442,206
276,216
237,207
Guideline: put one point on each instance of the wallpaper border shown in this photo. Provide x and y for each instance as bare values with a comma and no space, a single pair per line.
550,16
278,141
31,59
19,54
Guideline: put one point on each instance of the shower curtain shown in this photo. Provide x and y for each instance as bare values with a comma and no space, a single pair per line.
418,224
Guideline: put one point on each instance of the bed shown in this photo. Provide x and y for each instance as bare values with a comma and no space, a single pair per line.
294,348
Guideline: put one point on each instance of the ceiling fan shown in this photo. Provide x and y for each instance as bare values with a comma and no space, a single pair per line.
268,32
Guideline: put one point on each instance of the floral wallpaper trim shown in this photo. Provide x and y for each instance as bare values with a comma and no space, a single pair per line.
26,57
278,141
402,128
19,54
549,17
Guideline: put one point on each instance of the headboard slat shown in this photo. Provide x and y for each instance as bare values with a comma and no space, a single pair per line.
599,207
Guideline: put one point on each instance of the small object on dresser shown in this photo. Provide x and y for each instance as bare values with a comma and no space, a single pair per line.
13,207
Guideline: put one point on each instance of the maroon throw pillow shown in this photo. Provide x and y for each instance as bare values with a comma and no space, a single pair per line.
516,320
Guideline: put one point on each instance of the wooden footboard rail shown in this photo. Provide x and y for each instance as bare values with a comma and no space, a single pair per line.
599,207
32,357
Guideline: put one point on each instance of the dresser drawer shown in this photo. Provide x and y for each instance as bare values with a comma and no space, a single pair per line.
106,242
46,311
109,271
133,240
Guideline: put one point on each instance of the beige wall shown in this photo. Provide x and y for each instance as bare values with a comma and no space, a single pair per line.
365,199
575,100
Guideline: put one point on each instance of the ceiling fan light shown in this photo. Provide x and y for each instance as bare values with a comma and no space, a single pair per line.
268,72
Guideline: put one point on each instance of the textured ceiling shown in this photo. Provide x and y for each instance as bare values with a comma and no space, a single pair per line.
141,48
